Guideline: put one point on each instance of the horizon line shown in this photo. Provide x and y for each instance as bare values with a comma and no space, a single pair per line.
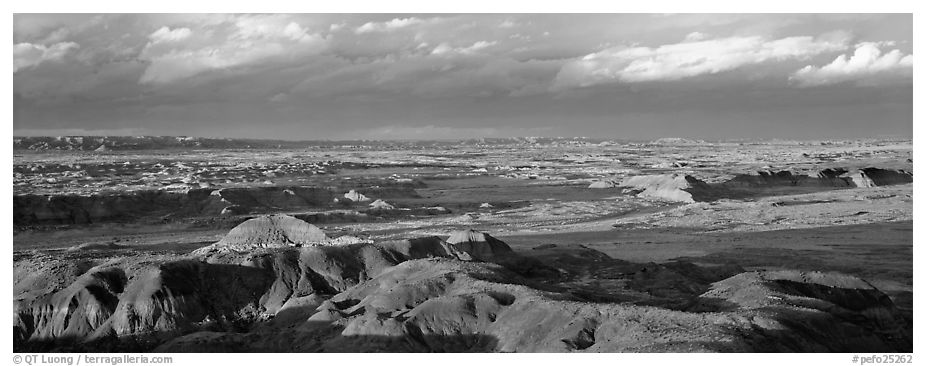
481,138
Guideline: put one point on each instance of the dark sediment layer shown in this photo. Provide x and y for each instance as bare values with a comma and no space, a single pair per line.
155,205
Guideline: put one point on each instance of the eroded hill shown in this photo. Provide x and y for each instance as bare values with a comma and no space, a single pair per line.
467,293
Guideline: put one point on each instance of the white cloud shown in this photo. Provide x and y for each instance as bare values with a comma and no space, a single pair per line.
393,24
165,34
253,39
445,49
58,35
865,62
688,59
479,45
279,97
427,76
178,65
442,49
270,27
695,36
29,54
295,32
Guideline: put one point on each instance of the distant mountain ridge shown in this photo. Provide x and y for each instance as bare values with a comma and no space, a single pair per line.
111,143
117,143
129,143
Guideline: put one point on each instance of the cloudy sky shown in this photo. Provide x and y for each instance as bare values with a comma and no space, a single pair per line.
408,76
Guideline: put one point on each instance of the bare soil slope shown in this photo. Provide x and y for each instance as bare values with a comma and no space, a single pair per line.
469,293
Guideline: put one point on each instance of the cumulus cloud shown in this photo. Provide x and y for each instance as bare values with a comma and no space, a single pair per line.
295,32
270,27
252,39
444,48
165,34
222,68
28,54
688,59
867,61
429,76
57,35
508,23
393,24
695,36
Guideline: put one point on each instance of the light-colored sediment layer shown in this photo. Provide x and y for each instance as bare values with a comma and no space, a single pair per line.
837,207
670,187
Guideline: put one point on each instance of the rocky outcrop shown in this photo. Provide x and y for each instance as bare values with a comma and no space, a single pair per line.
442,305
875,177
141,302
478,245
181,296
603,184
670,187
688,189
381,205
73,312
355,196
257,276
785,178
814,311
826,178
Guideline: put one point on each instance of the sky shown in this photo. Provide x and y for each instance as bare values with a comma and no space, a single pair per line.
452,76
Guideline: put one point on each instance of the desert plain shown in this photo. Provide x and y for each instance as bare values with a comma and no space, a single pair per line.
164,244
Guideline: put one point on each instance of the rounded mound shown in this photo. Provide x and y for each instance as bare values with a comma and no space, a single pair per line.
271,231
